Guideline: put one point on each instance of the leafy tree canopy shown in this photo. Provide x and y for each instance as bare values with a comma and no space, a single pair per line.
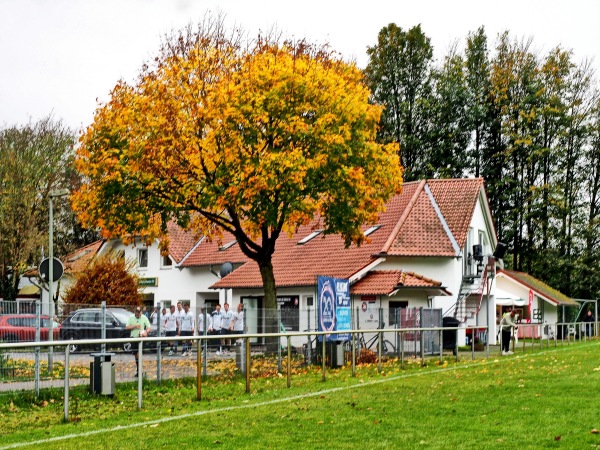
255,137
108,278
34,160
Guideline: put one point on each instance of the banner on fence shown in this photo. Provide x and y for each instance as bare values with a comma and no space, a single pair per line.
334,307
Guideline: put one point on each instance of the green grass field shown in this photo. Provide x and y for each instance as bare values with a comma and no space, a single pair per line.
539,399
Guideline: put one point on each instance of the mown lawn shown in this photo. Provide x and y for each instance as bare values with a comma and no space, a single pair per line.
539,399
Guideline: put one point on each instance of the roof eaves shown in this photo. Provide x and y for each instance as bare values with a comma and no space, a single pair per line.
362,272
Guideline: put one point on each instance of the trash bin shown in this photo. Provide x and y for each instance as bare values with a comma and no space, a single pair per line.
335,351
102,374
240,356
449,336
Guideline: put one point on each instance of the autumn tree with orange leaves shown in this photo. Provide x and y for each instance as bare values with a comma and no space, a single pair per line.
109,278
253,137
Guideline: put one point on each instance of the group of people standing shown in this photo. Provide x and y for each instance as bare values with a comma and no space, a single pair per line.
182,322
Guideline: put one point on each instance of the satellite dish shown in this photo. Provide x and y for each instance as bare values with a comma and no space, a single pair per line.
226,269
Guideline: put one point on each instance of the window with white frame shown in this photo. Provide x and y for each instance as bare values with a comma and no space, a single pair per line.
142,254
166,262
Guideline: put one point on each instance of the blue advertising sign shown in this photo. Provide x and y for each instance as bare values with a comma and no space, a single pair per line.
334,307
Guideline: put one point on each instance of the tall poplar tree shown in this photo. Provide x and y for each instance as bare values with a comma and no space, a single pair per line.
477,68
399,76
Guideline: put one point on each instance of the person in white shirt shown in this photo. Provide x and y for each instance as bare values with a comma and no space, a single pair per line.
178,314
237,323
202,331
217,322
171,325
187,325
201,322
154,317
226,317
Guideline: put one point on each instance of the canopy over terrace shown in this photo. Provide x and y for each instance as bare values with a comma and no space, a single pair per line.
389,282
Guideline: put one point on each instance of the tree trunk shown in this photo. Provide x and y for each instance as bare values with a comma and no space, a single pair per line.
269,304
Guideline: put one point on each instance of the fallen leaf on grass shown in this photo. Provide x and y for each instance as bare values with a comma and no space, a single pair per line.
594,431
557,438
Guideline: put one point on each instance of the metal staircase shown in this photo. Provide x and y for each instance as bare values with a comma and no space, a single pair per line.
469,298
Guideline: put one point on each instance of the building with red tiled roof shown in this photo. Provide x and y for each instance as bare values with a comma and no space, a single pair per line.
431,248
415,255
162,280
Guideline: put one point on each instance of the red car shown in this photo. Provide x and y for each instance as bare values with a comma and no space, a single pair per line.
21,328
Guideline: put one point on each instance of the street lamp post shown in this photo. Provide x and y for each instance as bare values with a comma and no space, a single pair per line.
53,194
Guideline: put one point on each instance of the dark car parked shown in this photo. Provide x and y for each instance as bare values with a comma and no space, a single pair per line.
21,328
86,323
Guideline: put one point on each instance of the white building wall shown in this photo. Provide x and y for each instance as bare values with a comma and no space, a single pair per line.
173,284
548,310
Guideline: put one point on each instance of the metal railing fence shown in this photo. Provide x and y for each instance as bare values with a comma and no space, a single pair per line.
68,373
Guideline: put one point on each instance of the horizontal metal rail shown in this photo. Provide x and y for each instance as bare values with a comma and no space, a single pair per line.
17,345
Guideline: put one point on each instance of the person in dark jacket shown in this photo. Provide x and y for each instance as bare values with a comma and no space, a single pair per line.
589,323
507,325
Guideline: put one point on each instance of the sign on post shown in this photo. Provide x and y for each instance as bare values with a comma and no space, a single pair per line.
334,307
57,269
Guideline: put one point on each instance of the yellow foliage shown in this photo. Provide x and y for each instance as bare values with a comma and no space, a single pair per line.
255,139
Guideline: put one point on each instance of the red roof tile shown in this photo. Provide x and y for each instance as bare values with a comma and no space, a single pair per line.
181,242
79,259
384,282
456,199
207,253
410,226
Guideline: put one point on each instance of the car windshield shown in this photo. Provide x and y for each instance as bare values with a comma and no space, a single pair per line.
122,315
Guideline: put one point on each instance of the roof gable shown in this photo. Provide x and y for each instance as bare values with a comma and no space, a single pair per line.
457,199
539,287
181,241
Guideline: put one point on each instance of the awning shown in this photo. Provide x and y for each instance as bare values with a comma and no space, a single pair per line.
505,299
510,302
29,290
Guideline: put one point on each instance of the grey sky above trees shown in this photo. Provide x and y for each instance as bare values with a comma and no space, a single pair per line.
61,56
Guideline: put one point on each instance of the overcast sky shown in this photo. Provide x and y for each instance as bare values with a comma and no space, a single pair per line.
62,56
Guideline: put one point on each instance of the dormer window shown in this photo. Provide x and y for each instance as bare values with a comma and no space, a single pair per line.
371,230
311,236
228,245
